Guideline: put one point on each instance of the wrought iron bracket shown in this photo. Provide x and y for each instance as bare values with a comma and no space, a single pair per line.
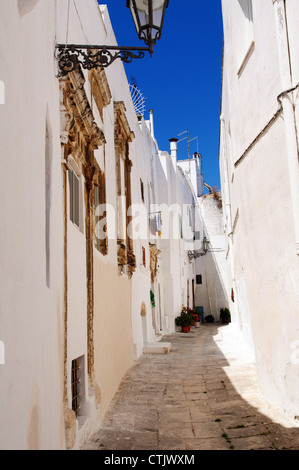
90,57
195,254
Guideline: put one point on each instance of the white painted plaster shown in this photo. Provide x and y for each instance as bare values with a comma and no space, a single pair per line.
261,189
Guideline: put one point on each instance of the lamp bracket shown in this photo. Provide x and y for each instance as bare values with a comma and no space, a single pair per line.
90,57
195,254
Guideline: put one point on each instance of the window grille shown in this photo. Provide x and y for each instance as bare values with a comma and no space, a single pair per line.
76,396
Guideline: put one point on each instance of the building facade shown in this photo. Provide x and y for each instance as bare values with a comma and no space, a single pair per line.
260,182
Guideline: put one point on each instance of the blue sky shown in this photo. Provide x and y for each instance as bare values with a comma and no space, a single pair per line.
182,81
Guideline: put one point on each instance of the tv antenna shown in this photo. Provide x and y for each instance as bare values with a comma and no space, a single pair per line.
188,143
137,98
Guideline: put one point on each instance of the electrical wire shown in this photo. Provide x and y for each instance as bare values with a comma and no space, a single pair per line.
74,2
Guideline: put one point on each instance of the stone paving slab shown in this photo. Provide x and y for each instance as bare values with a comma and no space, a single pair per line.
193,398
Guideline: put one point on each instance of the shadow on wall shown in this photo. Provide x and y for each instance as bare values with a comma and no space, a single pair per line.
25,6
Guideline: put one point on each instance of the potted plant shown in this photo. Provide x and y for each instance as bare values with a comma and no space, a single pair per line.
152,295
225,315
178,323
196,318
209,319
192,313
186,321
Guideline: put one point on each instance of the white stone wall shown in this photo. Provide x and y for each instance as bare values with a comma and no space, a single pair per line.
259,175
31,282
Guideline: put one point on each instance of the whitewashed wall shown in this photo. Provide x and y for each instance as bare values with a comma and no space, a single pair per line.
32,295
31,282
258,190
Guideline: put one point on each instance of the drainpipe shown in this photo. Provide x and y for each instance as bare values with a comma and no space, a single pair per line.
286,99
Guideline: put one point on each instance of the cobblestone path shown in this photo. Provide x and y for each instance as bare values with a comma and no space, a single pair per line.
203,395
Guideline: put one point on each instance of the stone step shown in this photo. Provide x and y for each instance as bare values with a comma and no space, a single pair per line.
157,348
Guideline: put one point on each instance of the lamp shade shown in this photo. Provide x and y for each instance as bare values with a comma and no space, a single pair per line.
148,16
205,244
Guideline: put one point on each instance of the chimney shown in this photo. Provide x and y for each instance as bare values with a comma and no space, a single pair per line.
174,151
173,147
151,113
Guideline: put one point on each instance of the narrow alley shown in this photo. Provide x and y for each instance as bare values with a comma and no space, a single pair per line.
142,195
203,395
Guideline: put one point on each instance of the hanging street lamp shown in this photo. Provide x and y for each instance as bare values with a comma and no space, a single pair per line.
148,16
195,254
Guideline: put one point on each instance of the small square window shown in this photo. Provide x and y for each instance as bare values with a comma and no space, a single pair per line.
197,235
198,279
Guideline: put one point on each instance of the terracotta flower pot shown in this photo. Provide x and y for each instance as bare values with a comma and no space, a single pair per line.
186,329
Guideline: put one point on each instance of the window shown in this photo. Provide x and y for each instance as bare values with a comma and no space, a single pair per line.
100,215
180,227
245,36
190,216
77,384
142,190
74,198
123,136
198,279
96,205
143,257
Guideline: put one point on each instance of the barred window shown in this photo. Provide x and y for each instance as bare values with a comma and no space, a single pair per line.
245,33
77,384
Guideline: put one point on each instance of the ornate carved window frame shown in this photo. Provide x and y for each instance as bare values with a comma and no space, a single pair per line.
80,137
123,136
100,90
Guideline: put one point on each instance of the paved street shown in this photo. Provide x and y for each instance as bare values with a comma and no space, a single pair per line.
203,395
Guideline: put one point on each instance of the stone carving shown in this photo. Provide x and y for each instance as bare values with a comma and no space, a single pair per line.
80,136
122,138
154,253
